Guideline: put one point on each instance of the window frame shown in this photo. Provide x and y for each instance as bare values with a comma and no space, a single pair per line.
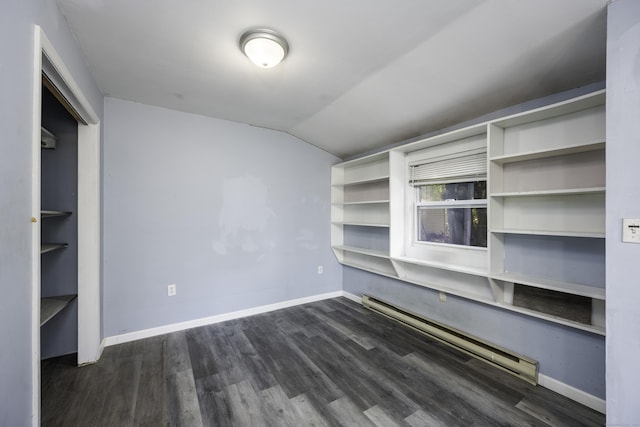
445,204
454,254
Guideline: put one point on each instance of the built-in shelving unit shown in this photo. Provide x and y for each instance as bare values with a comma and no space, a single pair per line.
360,214
547,203
546,215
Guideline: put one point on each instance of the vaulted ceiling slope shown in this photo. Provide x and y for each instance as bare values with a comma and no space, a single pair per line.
360,74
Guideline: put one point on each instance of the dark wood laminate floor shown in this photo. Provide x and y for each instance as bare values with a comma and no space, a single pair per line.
328,363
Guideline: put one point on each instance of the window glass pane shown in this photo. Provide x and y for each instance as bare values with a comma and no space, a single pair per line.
457,226
452,191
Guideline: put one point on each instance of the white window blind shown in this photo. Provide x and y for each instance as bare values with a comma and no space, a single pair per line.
465,167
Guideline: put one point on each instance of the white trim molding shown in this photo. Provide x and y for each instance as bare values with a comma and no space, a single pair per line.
589,400
352,297
204,321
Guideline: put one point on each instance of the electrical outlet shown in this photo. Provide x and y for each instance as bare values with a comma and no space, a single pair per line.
443,297
320,269
171,290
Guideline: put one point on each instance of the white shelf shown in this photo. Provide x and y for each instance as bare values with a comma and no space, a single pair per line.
370,252
367,202
50,306
587,234
554,285
561,108
561,192
443,266
51,214
362,224
49,247
368,268
553,152
372,180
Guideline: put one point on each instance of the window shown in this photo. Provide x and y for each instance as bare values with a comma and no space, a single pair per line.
453,213
450,200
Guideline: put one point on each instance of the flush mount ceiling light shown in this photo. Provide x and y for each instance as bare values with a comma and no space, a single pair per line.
263,47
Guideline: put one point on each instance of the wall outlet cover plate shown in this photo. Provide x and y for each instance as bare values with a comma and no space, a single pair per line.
631,230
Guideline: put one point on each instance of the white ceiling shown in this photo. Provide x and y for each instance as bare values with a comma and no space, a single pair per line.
360,74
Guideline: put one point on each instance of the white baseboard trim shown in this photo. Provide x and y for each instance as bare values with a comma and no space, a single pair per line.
573,393
175,327
352,297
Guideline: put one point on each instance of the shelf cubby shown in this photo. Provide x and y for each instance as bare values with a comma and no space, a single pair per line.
553,285
570,215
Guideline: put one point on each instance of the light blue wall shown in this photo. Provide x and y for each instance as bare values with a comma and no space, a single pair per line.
623,201
17,20
568,355
237,216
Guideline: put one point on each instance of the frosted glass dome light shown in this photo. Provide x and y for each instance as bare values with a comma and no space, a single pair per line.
263,47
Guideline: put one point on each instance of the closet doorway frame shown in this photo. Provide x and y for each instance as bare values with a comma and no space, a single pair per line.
90,343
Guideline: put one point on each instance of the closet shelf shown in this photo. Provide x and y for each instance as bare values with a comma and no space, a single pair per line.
51,214
50,306
553,285
48,247
47,139
551,152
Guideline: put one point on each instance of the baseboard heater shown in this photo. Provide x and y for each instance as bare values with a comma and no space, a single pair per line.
506,360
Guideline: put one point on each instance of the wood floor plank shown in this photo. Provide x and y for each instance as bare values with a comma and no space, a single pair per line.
214,405
359,383
380,418
245,406
203,362
177,355
349,413
293,370
569,414
150,401
307,413
248,360
480,406
364,341
278,409
421,418
182,400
